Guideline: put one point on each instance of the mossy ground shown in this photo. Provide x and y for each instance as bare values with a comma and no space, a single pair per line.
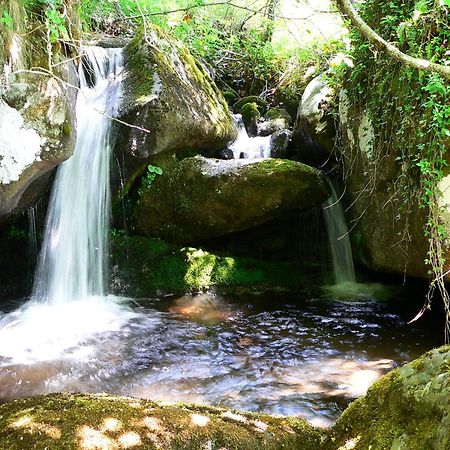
93,422
146,267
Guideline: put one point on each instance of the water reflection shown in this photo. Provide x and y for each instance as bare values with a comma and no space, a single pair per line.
275,354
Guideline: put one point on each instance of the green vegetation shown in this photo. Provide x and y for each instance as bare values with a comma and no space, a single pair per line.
151,266
410,112
148,178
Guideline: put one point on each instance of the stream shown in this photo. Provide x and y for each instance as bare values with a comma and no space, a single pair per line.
297,355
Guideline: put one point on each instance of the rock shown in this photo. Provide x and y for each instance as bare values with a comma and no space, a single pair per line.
279,143
250,117
145,267
408,409
226,153
67,421
382,237
201,198
262,104
274,120
314,129
170,94
37,123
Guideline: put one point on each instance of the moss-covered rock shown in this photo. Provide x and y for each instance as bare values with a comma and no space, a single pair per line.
250,117
275,120
202,198
90,422
169,93
145,267
408,409
262,104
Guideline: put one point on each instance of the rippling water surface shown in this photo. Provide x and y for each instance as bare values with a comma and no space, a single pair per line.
279,354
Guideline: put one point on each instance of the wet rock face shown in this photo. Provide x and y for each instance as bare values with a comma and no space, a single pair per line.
408,409
169,94
385,238
202,198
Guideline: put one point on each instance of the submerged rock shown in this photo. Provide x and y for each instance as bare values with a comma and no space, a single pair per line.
408,409
67,421
202,198
169,93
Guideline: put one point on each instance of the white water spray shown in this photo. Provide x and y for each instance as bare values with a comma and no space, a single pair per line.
249,147
73,264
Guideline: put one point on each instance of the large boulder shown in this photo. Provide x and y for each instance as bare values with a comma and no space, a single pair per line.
408,409
385,237
169,99
37,114
314,129
202,198
76,421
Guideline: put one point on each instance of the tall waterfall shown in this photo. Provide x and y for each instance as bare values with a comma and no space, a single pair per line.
72,263
341,250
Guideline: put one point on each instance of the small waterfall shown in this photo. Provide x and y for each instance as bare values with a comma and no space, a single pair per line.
341,251
249,147
72,263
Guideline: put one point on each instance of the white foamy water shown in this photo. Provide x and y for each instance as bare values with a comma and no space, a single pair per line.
249,147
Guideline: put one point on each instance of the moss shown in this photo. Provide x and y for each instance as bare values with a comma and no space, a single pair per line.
406,409
68,421
151,266
261,103
277,113
250,113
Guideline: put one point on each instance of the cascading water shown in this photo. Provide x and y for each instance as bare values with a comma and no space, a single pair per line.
72,264
68,304
341,250
249,147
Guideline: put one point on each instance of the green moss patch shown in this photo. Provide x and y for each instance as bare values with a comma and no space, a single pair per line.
145,267
92,422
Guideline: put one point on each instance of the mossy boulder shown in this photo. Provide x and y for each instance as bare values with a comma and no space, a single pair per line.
89,422
275,120
202,198
408,409
170,99
261,103
37,112
250,117
145,267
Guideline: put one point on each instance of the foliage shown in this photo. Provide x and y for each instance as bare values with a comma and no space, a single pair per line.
150,176
410,112
231,40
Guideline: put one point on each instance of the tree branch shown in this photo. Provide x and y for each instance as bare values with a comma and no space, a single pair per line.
346,7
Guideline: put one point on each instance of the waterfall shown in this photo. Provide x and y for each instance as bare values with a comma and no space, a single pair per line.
72,264
249,147
339,240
